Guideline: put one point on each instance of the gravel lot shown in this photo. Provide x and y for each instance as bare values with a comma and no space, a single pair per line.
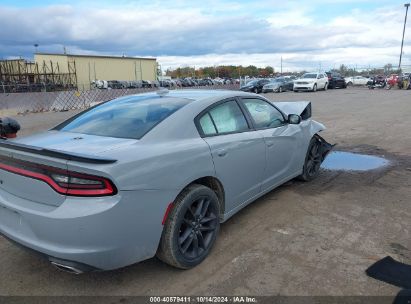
301,239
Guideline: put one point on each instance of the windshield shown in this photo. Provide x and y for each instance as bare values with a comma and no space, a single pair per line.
127,117
252,82
276,80
309,76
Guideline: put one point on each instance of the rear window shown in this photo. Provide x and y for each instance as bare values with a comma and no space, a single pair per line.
127,117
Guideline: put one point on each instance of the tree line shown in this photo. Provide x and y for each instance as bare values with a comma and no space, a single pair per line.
237,71
221,71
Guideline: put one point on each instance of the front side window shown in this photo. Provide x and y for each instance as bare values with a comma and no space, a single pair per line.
263,114
224,118
127,117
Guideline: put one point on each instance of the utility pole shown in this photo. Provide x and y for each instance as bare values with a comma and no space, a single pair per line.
407,5
281,65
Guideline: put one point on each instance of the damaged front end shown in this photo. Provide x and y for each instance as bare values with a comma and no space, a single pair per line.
324,146
304,109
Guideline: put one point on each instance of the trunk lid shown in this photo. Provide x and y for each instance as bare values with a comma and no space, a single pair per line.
26,187
75,142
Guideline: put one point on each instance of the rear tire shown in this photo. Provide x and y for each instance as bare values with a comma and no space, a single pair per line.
191,228
312,163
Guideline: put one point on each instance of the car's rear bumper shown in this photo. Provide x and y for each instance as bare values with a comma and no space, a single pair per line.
103,233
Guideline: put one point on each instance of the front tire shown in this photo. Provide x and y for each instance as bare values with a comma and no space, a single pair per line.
191,228
312,163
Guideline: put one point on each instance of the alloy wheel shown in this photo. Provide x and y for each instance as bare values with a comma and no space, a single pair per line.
314,160
197,229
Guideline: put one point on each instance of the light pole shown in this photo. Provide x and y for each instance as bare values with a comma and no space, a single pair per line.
407,5
281,65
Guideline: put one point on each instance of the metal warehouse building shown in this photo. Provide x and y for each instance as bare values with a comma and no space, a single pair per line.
89,67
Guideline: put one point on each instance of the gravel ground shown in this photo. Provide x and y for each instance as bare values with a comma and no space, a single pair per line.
301,239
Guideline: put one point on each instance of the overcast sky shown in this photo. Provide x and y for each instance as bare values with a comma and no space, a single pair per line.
307,34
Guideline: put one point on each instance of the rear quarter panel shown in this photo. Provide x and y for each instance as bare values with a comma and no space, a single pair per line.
149,177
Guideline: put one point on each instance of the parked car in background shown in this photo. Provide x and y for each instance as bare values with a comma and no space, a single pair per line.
114,84
278,85
357,80
255,86
335,80
113,198
311,82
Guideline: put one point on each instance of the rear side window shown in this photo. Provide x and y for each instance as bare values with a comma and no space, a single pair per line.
207,125
222,119
127,117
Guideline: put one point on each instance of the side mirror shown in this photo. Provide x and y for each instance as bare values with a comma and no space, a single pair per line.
294,119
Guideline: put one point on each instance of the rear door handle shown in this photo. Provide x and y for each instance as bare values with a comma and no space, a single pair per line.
222,152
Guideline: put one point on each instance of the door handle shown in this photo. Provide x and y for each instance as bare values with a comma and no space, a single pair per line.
222,152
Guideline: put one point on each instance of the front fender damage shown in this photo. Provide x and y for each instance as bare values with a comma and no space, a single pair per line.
324,146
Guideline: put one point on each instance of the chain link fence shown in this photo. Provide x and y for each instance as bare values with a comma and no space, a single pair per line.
32,102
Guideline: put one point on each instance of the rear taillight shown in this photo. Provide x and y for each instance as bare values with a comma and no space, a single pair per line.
79,184
62,181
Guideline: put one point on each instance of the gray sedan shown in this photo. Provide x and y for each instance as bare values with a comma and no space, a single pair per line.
150,174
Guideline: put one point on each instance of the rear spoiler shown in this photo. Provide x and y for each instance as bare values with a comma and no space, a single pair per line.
302,108
55,153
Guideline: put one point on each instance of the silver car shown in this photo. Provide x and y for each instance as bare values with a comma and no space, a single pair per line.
151,174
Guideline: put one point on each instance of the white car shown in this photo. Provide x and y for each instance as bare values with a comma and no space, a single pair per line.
357,80
311,82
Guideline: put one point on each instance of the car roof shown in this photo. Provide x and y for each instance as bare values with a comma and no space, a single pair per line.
181,123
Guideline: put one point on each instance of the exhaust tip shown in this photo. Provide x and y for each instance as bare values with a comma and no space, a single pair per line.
66,268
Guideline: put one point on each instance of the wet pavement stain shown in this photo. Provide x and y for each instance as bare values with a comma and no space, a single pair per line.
346,161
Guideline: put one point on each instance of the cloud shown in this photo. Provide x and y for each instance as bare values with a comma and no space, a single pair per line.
226,32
